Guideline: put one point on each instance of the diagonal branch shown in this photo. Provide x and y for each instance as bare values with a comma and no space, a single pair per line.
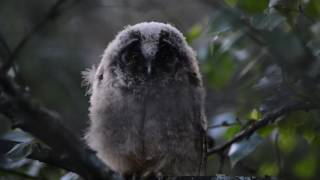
30,116
268,119
44,154
66,150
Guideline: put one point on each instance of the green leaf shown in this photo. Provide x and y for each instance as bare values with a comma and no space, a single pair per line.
220,24
20,151
287,139
310,136
268,169
267,21
255,115
230,41
294,120
281,42
231,131
266,131
240,150
307,167
194,33
313,8
219,71
231,3
253,6
289,9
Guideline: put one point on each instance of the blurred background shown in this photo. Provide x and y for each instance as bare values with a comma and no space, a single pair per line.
255,56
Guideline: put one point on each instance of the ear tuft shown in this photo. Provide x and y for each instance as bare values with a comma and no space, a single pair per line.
88,78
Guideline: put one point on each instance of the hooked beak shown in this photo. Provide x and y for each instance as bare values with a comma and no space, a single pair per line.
149,50
149,65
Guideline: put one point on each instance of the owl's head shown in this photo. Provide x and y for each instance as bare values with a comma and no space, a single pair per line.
147,53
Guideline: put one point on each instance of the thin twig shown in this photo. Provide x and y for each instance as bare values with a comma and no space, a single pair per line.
224,124
52,13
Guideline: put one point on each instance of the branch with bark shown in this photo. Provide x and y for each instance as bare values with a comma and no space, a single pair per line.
64,148
42,153
30,116
268,119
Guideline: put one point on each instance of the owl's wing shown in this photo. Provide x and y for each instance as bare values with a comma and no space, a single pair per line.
201,121
203,166
203,134
201,126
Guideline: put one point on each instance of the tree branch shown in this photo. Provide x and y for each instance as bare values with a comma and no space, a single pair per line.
45,125
44,154
268,119
223,124
66,150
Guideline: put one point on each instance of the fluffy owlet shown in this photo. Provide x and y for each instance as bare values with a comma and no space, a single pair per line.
146,104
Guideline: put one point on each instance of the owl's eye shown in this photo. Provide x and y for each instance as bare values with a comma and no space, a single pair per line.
100,77
131,53
132,59
167,53
129,58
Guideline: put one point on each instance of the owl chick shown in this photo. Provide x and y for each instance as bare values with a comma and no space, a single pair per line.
146,104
